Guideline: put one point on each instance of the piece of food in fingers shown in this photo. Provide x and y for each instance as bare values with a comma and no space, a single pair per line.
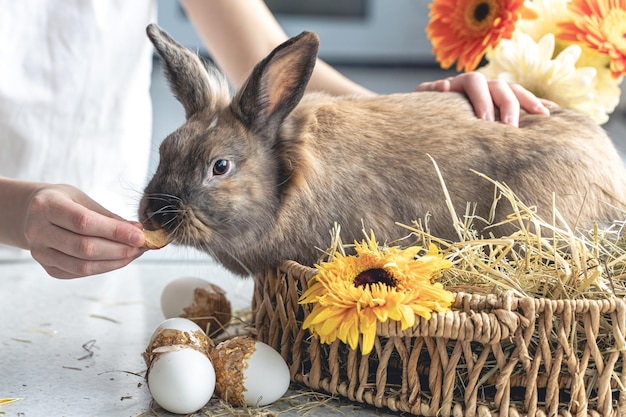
156,239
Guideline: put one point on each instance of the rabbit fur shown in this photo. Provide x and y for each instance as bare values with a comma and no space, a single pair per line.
261,177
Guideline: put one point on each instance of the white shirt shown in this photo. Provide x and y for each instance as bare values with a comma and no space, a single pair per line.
75,95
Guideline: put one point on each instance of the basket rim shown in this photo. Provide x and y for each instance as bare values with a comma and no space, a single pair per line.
506,300
484,318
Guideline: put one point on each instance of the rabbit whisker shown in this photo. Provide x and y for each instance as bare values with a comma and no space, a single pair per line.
166,211
194,231
206,248
163,197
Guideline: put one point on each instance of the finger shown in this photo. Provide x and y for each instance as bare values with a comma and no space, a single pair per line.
440,85
548,103
529,102
475,86
506,101
80,220
77,246
136,224
79,215
86,247
83,269
62,266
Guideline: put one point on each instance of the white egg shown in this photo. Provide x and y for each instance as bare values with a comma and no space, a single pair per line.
178,294
180,375
181,379
249,372
266,378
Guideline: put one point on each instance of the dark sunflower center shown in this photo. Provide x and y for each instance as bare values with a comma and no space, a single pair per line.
373,276
481,11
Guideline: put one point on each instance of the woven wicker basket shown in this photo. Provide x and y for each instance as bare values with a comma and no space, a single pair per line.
489,356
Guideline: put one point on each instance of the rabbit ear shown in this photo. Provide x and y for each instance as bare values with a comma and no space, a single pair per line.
185,72
277,83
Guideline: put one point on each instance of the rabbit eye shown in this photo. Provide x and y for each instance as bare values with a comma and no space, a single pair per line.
221,167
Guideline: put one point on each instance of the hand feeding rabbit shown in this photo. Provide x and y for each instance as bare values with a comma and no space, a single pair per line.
262,177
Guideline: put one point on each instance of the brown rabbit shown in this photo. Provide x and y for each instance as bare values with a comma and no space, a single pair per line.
262,177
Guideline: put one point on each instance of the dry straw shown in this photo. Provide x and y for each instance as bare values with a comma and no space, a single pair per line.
541,258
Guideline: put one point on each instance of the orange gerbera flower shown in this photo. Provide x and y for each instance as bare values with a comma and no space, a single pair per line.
464,30
600,25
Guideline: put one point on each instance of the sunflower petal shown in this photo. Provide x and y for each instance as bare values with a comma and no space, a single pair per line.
369,336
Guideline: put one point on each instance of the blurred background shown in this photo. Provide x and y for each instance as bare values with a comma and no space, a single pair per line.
355,32
380,44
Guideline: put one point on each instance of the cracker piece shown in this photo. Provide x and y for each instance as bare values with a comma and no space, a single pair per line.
156,239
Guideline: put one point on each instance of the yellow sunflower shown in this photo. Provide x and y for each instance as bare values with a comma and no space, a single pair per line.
353,293
463,31
599,25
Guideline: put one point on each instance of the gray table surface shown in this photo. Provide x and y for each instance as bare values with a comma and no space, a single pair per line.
73,348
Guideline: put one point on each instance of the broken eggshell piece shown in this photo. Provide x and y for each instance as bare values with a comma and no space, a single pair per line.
179,331
198,300
249,372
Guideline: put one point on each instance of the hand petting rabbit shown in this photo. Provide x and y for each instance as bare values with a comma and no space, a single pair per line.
262,177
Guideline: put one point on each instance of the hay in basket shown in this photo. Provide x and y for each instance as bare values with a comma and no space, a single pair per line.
536,327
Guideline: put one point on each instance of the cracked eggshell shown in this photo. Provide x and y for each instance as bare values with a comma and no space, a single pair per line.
178,294
198,300
177,323
177,332
249,372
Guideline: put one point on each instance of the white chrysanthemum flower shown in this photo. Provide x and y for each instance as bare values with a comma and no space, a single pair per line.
607,87
523,61
550,12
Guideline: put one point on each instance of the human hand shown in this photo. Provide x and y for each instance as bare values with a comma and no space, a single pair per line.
490,97
72,236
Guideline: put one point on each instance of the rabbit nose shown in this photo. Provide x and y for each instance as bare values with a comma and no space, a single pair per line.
162,211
